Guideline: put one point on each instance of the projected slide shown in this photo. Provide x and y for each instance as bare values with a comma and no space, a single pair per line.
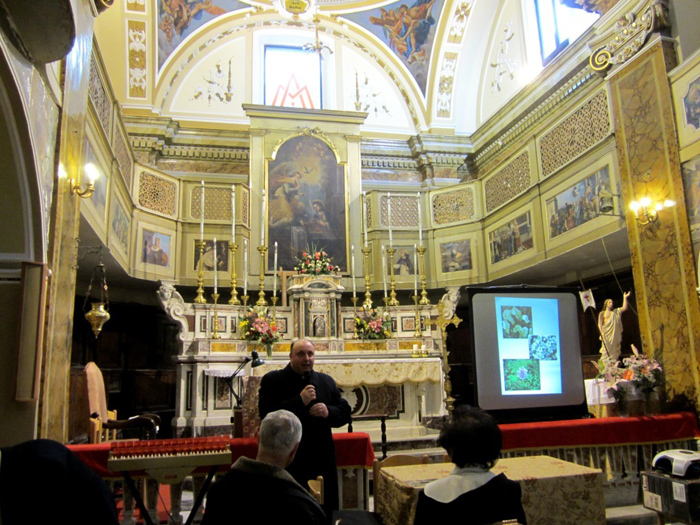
529,345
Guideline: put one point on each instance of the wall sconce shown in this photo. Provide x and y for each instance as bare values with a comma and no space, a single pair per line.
91,173
646,211
98,314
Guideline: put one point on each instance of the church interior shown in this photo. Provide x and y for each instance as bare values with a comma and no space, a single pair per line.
170,163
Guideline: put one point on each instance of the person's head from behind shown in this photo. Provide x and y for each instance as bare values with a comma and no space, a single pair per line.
472,438
280,434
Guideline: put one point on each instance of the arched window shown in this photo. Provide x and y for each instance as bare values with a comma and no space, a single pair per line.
559,25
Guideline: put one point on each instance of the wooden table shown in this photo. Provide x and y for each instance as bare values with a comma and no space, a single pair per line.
555,492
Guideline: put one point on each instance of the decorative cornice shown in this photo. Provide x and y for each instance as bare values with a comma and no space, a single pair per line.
624,40
148,143
526,123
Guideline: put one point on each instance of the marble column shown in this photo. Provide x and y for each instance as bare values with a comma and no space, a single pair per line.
62,254
661,252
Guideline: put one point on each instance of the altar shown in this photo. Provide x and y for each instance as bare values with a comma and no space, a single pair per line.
400,379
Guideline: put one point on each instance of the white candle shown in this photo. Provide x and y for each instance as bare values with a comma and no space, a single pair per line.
233,214
420,223
216,267
364,214
201,221
274,277
352,270
262,221
388,212
245,266
384,269
415,270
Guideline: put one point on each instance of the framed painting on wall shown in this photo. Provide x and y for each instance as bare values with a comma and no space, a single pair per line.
306,202
511,238
691,185
404,262
456,256
208,264
580,203
156,248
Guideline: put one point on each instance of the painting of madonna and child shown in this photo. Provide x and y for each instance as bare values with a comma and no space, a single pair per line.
306,202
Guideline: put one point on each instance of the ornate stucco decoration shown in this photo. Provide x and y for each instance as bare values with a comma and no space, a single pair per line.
624,40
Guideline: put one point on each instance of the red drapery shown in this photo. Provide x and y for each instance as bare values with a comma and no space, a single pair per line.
600,432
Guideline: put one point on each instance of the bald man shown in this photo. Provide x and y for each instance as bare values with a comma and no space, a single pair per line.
315,399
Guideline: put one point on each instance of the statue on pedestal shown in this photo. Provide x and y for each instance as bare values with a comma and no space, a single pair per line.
610,327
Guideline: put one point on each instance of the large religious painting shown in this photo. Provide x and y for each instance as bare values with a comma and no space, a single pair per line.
408,29
178,19
306,202
511,238
580,203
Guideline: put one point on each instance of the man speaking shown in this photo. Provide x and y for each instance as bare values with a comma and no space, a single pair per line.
315,399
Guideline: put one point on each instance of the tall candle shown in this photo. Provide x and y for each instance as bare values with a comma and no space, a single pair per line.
384,269
262,221
420,223
364,214
233,214
352,270
245,266
274,277
201,220
216,267
415,270
388,212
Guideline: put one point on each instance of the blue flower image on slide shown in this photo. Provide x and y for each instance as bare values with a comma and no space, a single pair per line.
521,374
543,347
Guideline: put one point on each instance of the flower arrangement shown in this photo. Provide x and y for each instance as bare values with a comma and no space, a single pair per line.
315,262
258,326
644,372
370,324
637,372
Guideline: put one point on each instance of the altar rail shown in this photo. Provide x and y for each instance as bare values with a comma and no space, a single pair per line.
354,456
620,447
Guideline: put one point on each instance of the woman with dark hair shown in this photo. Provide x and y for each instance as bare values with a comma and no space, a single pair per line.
471,494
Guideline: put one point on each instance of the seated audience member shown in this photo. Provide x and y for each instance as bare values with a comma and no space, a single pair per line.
261,490
42,481
471,494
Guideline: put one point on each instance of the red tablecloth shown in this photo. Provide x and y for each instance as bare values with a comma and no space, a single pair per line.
600,432
353,450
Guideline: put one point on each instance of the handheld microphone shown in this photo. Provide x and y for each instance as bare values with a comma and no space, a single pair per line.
307,380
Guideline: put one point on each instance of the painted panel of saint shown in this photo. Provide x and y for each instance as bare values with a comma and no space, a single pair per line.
456,256
306,202
156,248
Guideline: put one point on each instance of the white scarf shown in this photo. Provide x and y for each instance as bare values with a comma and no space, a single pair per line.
458,482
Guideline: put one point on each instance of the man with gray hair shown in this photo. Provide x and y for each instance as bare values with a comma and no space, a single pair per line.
261,490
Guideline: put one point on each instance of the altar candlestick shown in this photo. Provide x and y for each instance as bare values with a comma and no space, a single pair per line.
201,220
233,214
274,277
420,223
415,270
352,270
364,214
384,270
262,220
245,266
388,212
216,267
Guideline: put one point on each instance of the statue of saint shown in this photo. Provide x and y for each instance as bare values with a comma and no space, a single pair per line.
610,327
